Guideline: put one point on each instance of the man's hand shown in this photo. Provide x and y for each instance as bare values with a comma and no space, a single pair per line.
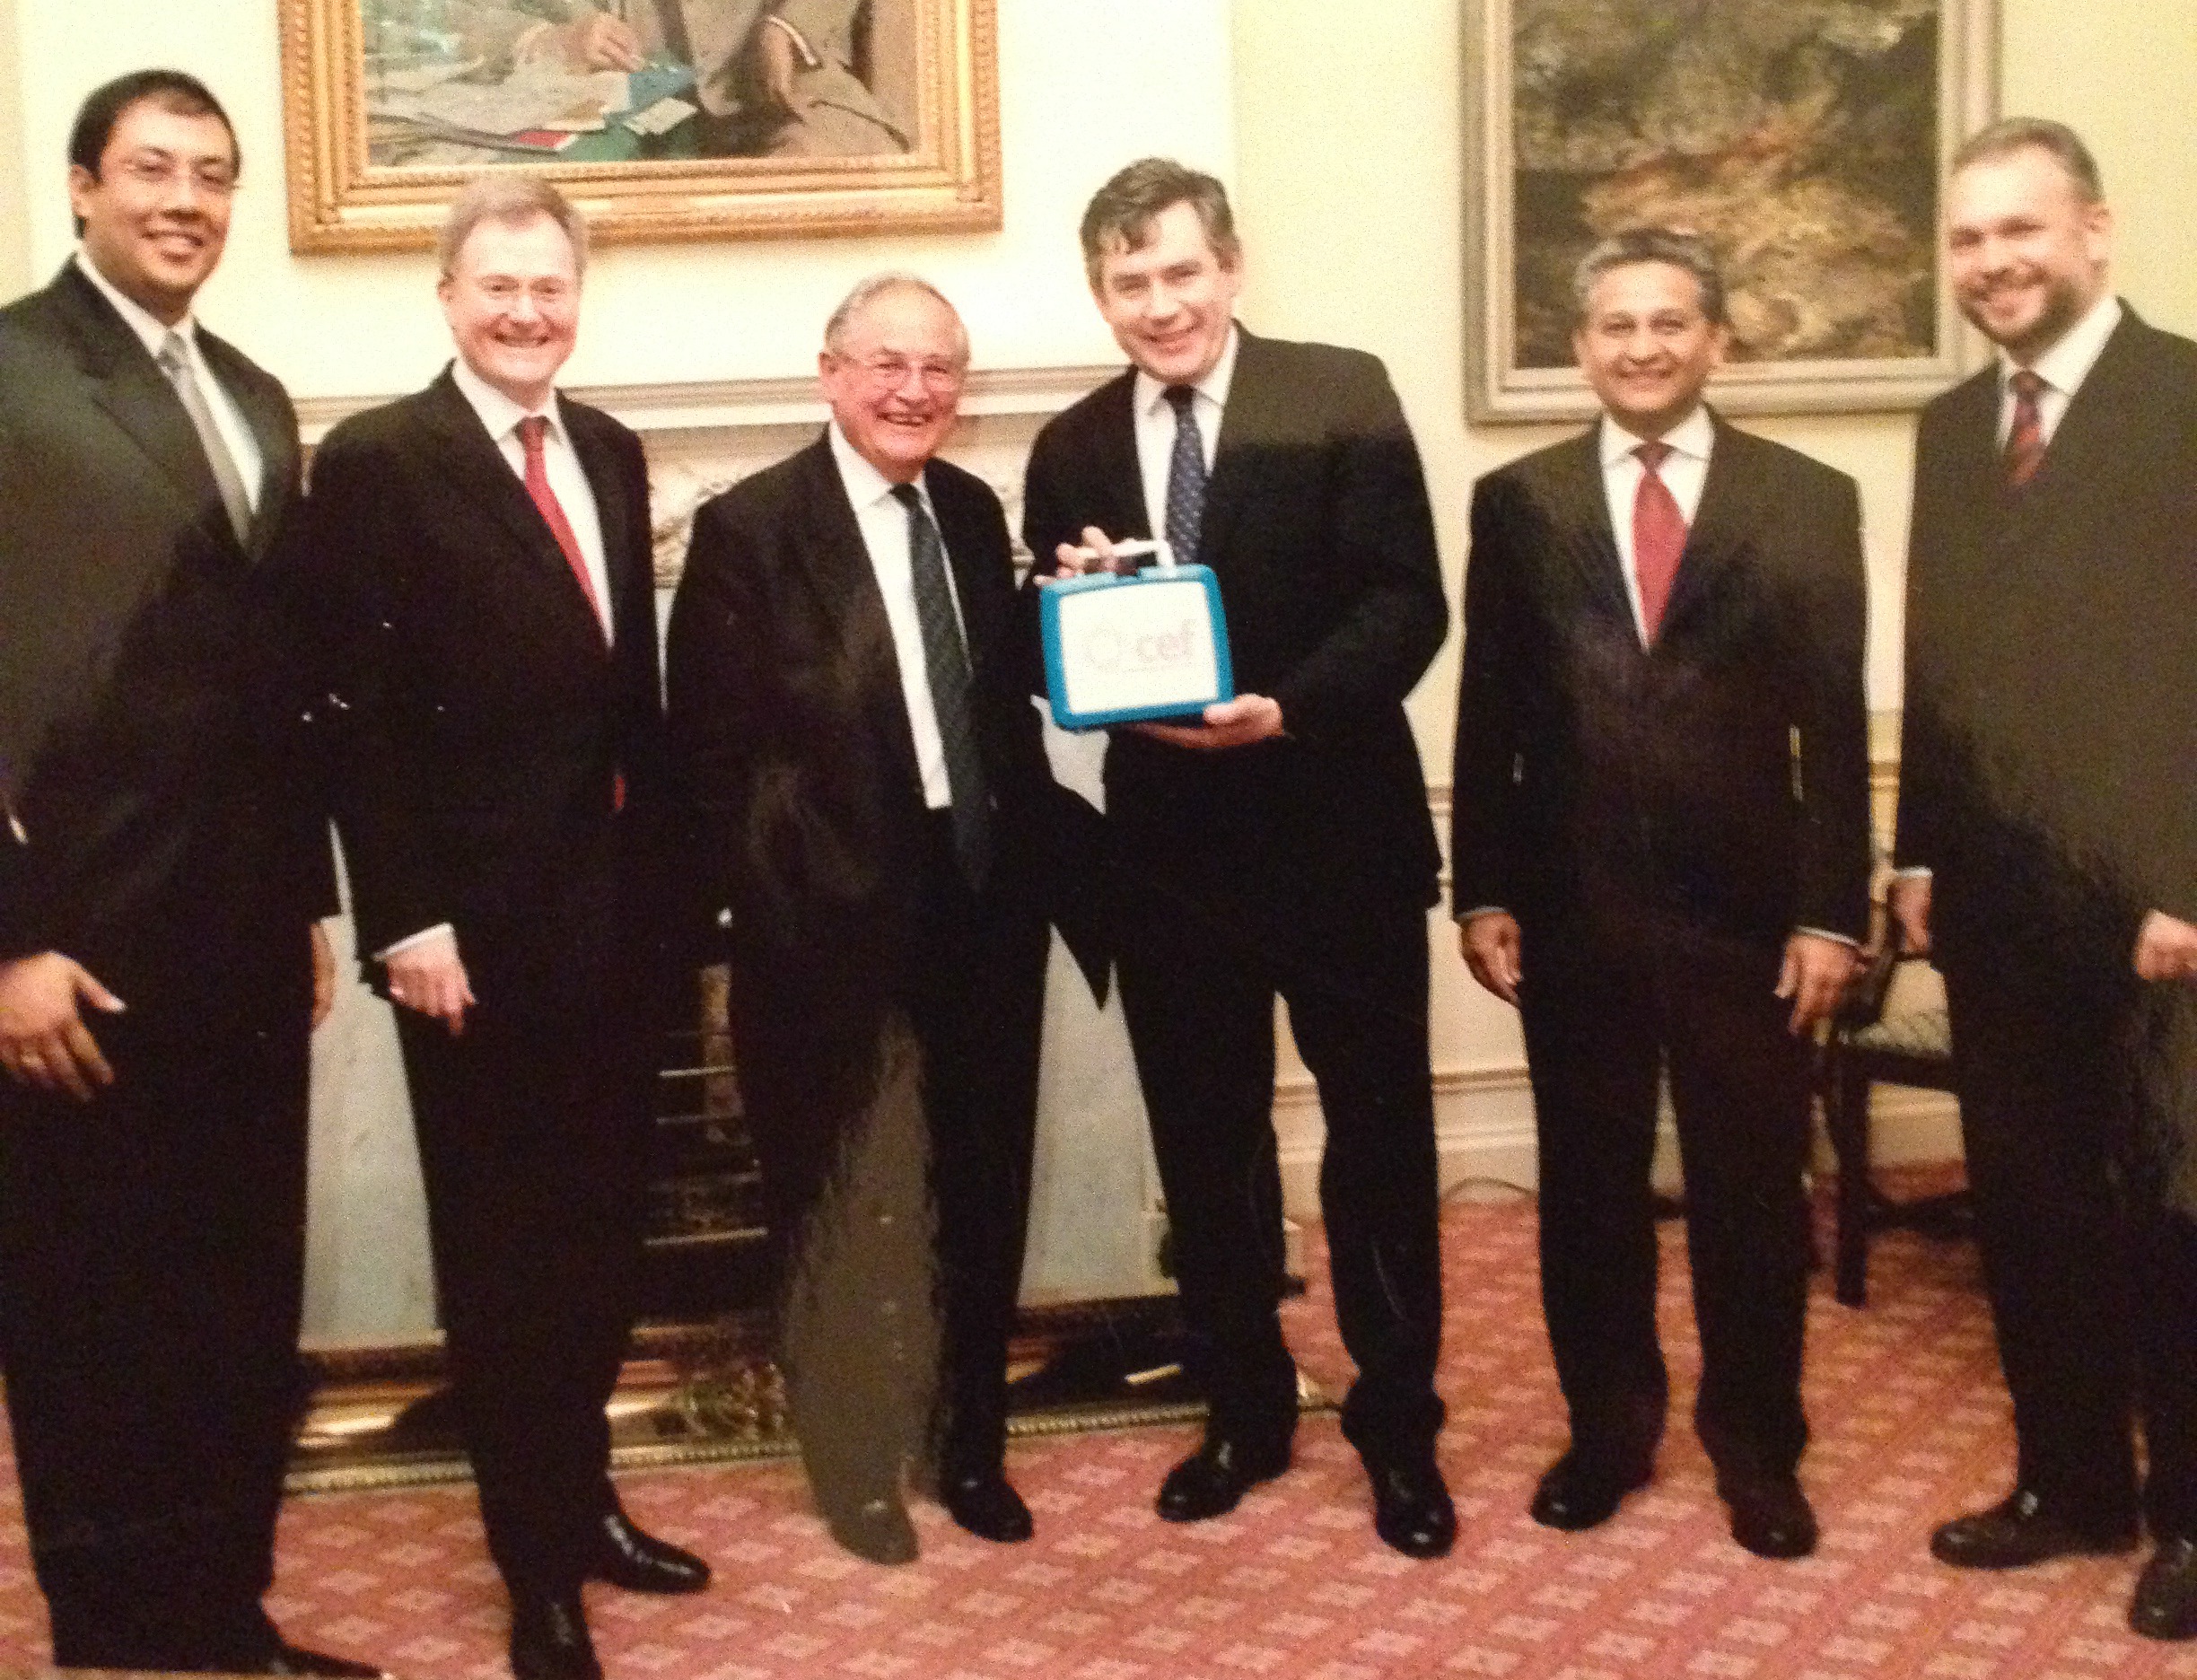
1490,942
2166,949
43,1040
1908,898
781,68
323,972
1814,975
430,978
1096,555
598,43
1236,722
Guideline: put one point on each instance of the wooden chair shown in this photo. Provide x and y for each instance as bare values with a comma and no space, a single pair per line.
1891,1029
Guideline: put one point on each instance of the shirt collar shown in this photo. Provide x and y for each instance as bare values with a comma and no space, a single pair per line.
498,412
139,320
865,485
2069,362
1693,435
1151,393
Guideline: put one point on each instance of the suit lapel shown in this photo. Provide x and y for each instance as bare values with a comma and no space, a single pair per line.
1114,467
1720,528
125,382
1590,545
612,512
2081,448
271,430
475,460
846,587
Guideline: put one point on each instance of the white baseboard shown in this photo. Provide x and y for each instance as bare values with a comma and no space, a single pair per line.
1483,1129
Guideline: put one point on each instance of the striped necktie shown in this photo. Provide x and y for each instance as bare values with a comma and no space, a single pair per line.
946,667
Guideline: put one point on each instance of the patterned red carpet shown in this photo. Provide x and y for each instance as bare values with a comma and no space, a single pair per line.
1911,1425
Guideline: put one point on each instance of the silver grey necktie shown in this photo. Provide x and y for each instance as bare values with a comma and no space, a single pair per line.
946,663
177,366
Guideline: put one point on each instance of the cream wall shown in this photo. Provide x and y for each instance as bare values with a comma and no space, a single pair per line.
1349,177
14,224
1077,87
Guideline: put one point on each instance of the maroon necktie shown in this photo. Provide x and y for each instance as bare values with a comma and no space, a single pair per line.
1659,537
530,431
2025,444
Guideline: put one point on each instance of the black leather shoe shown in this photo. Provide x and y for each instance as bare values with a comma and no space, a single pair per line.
1213,1480
985,1503
295,1659
1412,1509
1770,1515
549,1638
2018,1530
641,1563
1576,1493
877,1530
2165,1606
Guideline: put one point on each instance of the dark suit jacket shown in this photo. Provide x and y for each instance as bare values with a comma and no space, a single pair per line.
2051,722
791,730
487,720
1721,777
1317,526
155,690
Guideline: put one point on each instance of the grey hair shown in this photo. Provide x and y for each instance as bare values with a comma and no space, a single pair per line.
876,285
1121,214
511,197
2059,141
1681,249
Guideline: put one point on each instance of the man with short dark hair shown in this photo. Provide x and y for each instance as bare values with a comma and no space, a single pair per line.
163,858
501,807
853,723
1661,859
2048,853
1280,844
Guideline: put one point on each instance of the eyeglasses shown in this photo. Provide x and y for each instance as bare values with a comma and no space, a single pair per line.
890,372
154,170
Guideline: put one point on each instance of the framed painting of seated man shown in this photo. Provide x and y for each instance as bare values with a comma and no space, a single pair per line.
663,119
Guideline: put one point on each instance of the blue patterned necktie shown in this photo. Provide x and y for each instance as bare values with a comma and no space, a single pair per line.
946,667
1185,488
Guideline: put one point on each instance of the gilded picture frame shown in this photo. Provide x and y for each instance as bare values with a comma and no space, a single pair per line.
1809,142
739,119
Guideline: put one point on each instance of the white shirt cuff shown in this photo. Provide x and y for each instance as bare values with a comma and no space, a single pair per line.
410,939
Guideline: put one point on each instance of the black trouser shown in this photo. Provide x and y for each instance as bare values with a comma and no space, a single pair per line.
977,1000
2093,1285
152,1251
534,1130
1203,956
1603,1018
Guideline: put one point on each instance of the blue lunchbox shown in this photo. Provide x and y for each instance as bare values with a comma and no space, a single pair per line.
1120,650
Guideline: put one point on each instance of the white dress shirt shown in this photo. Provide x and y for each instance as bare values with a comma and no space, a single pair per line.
228,419
2062,368
500,415
1685,471
883,522
1155,430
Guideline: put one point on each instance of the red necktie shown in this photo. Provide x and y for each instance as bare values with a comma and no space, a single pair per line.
1659,537
530,431
2025,444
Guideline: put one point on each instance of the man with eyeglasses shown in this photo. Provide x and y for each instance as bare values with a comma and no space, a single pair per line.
870,795
164,861
487,543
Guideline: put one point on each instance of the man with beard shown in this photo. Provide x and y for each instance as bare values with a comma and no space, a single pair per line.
2047,849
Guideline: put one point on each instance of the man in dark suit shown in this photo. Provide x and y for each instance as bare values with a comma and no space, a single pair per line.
850,707
2048,853
165,847
1278,845
500,807
1661,857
